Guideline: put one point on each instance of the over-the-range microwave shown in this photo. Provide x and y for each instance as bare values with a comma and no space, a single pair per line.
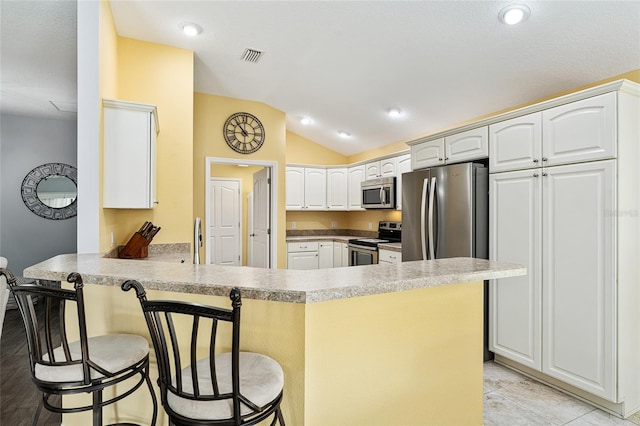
379,193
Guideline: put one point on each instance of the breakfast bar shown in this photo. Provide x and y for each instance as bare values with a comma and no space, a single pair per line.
387,344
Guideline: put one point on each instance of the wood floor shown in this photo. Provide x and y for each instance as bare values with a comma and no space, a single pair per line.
18,395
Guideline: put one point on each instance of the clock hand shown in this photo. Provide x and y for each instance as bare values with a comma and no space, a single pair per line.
244,132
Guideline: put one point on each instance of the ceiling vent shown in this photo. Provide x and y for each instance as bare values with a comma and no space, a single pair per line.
251,55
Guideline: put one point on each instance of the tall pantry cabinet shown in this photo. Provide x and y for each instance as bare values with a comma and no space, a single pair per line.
564,201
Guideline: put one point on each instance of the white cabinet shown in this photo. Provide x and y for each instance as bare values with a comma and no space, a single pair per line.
516,144
515,310
403,165
372,170
381,168
578,285
340,254
464,146
302,255
306,188
580,131
576,132
560,318
337,179
356,175
129,158
325,254
389,256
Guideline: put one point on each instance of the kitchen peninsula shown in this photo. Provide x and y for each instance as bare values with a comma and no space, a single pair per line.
369,345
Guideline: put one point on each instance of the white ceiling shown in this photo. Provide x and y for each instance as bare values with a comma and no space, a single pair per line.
344,63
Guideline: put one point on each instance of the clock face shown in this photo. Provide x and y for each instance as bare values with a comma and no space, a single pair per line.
244,133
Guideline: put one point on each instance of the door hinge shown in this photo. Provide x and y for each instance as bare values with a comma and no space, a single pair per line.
238,257
268,231
269,181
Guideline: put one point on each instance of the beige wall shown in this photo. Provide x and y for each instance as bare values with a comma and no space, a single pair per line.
301,150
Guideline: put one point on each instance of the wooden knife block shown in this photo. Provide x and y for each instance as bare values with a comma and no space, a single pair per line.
136,248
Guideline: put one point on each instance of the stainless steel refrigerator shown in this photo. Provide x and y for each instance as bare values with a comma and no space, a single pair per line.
445,212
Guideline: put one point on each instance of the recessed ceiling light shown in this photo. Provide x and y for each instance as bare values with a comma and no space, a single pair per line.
394,112
344,134
190,29
306,121
514,13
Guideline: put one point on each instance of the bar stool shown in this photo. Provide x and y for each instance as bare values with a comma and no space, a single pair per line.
231,388
88,365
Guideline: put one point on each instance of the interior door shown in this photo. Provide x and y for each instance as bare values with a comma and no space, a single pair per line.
261,238
224,222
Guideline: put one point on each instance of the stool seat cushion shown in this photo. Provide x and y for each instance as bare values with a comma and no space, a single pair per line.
113,353
261,381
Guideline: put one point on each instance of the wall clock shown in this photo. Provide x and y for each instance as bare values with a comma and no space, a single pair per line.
243,132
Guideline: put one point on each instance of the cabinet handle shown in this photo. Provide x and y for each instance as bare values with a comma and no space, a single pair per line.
446,158
544,174
440,159
392,257
535,160
535,175
544,158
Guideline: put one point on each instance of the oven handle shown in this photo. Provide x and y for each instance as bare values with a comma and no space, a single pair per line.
363,248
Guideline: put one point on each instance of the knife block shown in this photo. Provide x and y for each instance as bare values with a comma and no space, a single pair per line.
136,248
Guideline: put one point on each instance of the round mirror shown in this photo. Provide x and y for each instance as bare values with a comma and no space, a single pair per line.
57,191
50,191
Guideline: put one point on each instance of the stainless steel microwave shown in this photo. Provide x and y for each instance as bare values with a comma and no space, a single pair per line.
379,193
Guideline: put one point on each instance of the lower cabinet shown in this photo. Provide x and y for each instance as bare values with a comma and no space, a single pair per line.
340,254
389,256
560,319
302,255
325,254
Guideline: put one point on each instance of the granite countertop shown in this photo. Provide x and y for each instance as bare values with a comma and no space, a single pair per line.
281,285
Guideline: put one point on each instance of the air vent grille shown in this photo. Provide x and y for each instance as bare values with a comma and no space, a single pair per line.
251,55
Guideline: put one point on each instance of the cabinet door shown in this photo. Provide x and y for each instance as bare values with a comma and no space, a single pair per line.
388,167
337,189
129,156
427,154
295,188
345,254
372,170
403,165
315,188
470,145
580,131
388,256
516,144
579,277
325,255
302,260
515,310
354,196
337,255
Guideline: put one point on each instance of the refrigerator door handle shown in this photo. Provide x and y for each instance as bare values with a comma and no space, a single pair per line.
432,249
423,216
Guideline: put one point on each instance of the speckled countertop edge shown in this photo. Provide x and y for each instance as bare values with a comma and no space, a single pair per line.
281,285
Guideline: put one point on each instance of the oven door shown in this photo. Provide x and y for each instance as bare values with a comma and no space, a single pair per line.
359,255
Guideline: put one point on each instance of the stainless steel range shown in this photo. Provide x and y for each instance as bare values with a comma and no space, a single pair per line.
364,251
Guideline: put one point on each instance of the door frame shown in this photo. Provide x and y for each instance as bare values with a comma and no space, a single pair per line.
209,161
209,212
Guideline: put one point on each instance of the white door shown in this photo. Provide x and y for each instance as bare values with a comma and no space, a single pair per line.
261,239
403,165
372,170
294,187
427,154
224,222
250,232
579,278
515,310
302,260
470,145
388,167
325,255
337,188
354,179
315,188
516,144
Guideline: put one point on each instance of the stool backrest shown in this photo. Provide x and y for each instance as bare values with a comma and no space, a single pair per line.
162,316
44,339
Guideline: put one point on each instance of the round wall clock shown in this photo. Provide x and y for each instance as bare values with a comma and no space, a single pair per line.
243,132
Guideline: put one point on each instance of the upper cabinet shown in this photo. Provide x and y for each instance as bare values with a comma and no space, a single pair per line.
381,168
403,165
356,175
129,159
465,146
306,188
580,131
337,188
576,132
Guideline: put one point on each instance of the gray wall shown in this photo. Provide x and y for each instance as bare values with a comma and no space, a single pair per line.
27,142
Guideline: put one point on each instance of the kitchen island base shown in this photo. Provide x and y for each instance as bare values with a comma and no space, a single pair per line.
405,358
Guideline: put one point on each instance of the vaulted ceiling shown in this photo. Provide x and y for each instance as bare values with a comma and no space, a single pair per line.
343,64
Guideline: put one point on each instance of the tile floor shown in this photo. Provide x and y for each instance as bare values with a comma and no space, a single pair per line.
511,399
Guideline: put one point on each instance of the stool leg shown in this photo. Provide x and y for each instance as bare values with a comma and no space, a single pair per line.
36,416
153,396
97,408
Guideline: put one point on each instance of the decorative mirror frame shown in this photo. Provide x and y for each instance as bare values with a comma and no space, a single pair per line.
30,191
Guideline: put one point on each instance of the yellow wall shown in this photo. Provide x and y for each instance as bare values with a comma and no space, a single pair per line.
210,113
245,174
304,151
